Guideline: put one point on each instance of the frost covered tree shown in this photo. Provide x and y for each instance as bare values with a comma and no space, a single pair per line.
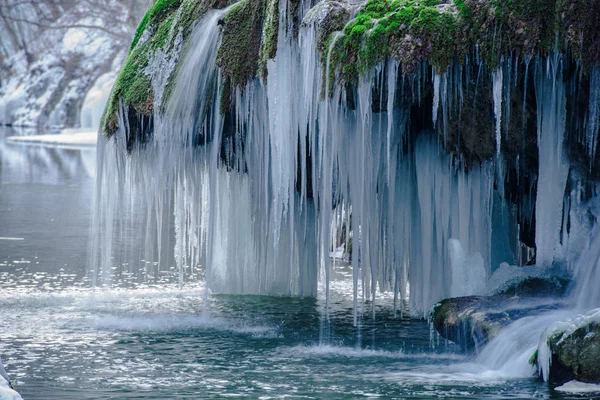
52,53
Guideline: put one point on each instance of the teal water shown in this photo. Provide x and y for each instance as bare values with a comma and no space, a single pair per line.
62,340
167,343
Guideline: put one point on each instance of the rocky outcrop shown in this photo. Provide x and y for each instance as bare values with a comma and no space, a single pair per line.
470,73
472,321
570,349
535,286
359,34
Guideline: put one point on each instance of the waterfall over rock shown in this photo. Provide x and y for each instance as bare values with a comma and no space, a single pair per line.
426,175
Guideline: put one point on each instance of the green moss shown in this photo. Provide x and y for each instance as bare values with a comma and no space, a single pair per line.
238,55
372,36
156,13
133,87
440,31
533,358
270,36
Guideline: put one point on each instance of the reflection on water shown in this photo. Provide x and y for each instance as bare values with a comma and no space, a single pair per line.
63,340
45,206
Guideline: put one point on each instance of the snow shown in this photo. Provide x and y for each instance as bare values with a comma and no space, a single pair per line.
6,392
69,138
507,273
576,387
74,39
50,92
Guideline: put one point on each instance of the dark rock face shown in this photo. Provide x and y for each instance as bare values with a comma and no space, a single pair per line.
535,287
576,356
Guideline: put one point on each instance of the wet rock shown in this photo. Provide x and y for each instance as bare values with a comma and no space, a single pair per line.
473,321
328,17
570,349
535,286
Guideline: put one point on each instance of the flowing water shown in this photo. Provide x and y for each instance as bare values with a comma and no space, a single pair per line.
60,339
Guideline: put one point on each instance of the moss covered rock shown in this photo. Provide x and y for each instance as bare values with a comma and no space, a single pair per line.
367,33
164,28
578,355
240,48
570,349
535,286
440,31
472,321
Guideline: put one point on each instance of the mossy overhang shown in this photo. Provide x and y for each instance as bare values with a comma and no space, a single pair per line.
441,31
133,88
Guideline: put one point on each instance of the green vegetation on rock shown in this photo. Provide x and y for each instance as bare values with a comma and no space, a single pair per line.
270,35
154,15
238,55
577,355
161,24
410,31
440,31
533,358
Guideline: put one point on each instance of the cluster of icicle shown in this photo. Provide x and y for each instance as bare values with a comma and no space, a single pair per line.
247,227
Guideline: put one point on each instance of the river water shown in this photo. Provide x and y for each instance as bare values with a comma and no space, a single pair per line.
61,339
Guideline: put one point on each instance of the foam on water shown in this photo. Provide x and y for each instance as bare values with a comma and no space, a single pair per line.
174,323
581,388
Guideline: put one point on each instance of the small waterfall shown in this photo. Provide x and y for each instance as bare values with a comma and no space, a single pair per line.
509,353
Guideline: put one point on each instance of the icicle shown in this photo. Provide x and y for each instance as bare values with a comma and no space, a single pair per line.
553,167
392,78
258,201
497,82
593,117
436,96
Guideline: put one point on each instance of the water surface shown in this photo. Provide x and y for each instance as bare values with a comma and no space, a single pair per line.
63,340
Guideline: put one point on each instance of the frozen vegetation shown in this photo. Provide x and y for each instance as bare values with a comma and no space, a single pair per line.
59,60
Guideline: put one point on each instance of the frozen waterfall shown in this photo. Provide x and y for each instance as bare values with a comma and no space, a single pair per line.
255,201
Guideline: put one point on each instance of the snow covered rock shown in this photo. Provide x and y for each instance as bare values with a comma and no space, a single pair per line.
7,393
570,349
6,390
579,388
535,286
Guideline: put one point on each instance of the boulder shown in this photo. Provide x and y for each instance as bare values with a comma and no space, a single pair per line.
570,349
535,286
472,321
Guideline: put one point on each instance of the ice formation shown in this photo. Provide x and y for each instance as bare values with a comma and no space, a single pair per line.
257,201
